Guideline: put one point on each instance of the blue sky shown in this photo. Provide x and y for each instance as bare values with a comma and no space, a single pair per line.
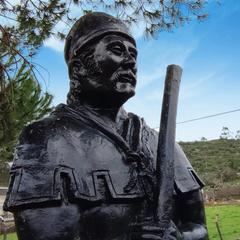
208,52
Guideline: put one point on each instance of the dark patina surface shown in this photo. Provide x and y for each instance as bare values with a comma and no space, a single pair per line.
87,171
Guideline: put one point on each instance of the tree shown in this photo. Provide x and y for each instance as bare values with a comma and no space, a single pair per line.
237,136
29,22
225,134
21,101
36,18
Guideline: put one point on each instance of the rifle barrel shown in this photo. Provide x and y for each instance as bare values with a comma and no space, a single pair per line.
166,144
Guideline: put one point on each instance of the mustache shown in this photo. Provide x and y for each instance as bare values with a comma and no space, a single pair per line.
126,76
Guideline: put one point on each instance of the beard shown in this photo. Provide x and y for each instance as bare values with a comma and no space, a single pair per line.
121,77
119,83
87,78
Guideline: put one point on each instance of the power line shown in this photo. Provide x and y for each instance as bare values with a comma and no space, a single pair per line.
208,116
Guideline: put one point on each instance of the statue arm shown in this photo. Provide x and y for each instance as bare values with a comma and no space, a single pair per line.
50,222
192,216
46,217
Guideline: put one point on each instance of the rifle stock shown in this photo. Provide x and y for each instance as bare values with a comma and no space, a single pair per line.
166,144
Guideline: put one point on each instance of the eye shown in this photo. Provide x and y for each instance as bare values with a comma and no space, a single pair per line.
117,49
133,54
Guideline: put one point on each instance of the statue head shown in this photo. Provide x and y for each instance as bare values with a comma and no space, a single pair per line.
101,57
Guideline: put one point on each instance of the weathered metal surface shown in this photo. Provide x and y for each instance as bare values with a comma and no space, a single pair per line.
166,147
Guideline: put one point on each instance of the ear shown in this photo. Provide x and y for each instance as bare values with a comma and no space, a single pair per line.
76,70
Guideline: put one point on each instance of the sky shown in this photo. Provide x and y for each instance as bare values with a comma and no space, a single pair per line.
209,54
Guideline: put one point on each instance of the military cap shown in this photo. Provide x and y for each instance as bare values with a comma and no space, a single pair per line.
90,27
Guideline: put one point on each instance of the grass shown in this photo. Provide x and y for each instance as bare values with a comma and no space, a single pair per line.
229,221
11,236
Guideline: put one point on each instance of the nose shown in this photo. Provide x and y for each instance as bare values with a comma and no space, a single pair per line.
129,62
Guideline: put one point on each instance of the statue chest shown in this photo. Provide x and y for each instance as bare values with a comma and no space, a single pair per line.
88,157
108,222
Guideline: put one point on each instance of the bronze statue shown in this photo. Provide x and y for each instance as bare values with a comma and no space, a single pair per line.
86,172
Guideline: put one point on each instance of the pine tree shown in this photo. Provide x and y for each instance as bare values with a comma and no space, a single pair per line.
21,101
28,23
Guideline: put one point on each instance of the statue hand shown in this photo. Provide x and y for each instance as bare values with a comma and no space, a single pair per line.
152,231
173,232
195,231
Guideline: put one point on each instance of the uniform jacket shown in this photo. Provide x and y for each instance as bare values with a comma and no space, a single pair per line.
75,143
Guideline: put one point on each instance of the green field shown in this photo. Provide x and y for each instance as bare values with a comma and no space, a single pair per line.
11,236
229,221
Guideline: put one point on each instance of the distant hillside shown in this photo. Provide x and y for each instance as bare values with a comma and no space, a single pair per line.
217,161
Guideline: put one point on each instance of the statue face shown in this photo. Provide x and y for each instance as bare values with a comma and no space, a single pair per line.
115,68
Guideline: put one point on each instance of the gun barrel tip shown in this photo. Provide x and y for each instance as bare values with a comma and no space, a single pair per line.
175,71
175,67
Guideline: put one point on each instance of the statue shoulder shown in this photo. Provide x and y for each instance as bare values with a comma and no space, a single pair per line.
32,148
32,173
186,179
37,132
58,123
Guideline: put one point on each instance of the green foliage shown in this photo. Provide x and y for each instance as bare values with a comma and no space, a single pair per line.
10,236
21,101
28,23
225,134
36,18
31,21
24,27
237,136
228,219
216,161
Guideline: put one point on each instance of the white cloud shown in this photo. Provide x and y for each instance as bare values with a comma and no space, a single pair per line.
10,20
15,2
137,30
54,44
62,26
57,45
155,95
160,58
196,85
190,87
